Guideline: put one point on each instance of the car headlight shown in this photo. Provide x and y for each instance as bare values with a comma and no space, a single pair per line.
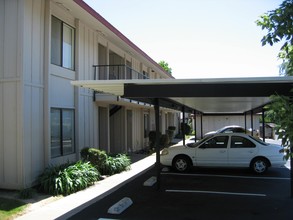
164,152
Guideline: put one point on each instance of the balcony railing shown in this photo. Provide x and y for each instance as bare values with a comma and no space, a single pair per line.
114,72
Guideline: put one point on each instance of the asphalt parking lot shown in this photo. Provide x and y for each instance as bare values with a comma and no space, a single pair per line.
202,194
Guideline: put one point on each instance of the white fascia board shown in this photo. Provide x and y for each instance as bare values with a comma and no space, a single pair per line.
104,86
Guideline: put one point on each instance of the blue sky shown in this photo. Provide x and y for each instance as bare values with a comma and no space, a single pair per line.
197,38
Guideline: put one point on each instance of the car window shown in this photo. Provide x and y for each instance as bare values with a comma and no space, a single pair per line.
241,142
228,130
193,145
259,141
216,142
239,130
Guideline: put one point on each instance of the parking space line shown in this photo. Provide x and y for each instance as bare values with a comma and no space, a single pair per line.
228,176
214,192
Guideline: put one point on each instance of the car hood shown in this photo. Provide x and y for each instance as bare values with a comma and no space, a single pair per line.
175,148
211,132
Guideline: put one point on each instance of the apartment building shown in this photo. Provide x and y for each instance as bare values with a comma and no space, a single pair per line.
44,120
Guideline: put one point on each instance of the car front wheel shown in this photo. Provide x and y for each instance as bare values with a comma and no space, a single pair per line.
259,165
181,163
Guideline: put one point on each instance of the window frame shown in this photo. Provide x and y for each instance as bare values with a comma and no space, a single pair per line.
61,58
61,132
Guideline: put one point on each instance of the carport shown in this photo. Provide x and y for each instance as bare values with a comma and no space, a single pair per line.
203,96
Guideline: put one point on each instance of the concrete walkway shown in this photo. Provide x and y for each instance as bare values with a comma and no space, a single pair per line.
72,204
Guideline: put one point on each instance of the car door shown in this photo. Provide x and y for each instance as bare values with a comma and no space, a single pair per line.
241,151
213,152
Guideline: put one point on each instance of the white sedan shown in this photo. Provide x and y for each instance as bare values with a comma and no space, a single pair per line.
224,150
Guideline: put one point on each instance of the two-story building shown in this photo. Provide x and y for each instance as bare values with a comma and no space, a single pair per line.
44,120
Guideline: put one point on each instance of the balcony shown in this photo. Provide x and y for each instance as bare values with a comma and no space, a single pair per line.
115,72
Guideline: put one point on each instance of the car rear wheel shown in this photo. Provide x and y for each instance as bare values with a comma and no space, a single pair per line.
181,163
259,165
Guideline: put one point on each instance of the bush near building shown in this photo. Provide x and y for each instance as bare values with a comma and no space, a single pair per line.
68,178
104,163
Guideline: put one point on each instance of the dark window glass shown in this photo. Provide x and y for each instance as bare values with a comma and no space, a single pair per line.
56,41
62,132
146,125
62,44
241,142
55,133
216,142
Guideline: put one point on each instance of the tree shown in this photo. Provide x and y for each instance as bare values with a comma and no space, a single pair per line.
282,106
279,24
165,66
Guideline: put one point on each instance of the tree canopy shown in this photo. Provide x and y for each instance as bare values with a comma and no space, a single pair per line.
165,66
279,26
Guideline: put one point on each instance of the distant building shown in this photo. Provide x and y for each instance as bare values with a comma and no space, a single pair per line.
207,123
269,130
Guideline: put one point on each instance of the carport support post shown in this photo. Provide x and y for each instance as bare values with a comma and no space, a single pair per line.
251,122
194,124
157,145
291,170
245,123
183,126
263,125
201,130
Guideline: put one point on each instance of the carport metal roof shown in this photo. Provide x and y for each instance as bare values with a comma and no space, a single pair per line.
208,96
229,96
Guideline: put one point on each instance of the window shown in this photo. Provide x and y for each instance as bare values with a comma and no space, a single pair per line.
216,142
241,142
62,132
62,44
145,75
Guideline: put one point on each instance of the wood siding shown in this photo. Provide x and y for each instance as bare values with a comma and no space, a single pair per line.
30,86
21,92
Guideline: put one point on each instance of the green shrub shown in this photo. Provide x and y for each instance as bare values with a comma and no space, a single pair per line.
105,164
164,140
152,138
116,164
95,156
68,178
186,128
172,128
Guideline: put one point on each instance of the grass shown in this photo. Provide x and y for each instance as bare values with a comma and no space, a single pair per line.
9,208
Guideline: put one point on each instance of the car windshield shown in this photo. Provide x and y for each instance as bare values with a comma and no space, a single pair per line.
193,145
259,140
220,130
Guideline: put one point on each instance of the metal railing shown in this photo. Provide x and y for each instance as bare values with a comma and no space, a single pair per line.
114,72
